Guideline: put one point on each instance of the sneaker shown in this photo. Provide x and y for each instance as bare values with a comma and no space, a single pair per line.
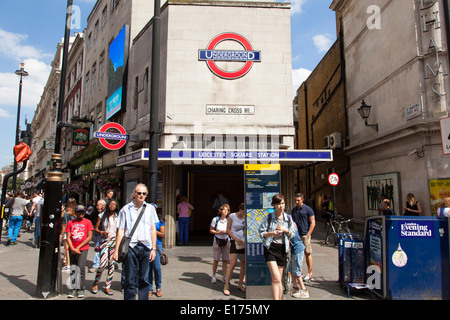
295,292
8,242
80,293
304,294
308,278
224,279
213,279
92,270
72,294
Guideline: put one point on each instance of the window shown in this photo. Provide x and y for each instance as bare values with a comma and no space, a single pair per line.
114,4
96,28
86,87
94,76
88,41
146,86
136,93
79,63
104,15
101,67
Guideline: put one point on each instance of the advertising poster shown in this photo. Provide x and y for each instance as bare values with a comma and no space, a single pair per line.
262,182
376,187
439,189
374,248
118,56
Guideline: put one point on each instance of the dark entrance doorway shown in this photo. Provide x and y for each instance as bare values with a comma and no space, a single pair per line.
202,184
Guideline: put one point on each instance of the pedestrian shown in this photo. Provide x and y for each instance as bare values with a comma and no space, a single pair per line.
142,247
69,214
412,206
444,211
236,232
100,208
36,209
109,195
16,207
387,211
184,220
78,234
295,267
219,201
276,230
221,243
304,218
155,271
106,227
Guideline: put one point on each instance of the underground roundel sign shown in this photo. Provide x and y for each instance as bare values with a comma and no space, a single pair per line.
112,131
244,58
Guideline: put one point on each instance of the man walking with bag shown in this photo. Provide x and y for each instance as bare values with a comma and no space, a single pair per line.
142,244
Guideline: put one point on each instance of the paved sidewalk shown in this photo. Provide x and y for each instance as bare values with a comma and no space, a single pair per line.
186,277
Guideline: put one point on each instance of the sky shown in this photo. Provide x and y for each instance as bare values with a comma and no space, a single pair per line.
30,31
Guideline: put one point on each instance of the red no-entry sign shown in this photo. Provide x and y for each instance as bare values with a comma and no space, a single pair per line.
103,134
333,179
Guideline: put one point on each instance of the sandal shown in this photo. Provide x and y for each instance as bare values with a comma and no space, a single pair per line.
150,294
158,292
226,291
94,291
108,292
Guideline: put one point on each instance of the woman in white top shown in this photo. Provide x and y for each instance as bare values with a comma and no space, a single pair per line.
106,226
221,243
236,232
444,211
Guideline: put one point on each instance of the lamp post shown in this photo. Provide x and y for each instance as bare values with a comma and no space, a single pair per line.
364,112
21,73
49,282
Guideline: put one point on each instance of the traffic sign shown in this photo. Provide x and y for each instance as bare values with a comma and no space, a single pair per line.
445,135
333,179
103,134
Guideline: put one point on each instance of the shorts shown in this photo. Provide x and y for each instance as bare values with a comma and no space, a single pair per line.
276,252
219,251
307,242
233,248
295,264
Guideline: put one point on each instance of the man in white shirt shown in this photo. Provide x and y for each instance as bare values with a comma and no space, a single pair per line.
142,245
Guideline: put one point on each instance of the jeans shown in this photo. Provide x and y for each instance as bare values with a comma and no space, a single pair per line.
77,269
15,222
155,268
183,225
136,265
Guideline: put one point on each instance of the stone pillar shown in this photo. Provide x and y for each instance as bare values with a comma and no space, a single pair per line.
169,210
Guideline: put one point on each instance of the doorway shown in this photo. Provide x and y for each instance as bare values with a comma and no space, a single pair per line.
202,185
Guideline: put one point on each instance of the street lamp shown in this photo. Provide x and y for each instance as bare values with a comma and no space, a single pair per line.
364,112
21,73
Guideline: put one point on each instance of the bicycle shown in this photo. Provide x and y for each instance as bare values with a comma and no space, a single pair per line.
286,278
337,225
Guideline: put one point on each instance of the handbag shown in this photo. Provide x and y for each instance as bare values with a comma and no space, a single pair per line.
125,242
164,259
221,242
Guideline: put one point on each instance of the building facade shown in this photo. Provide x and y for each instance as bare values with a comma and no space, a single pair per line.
403,76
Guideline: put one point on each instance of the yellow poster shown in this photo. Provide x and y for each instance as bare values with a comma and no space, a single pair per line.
439,189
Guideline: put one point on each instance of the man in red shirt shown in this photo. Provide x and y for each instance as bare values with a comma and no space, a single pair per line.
79,233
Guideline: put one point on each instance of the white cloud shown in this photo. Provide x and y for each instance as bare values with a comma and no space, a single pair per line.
12,46
323,42
296,5
298,77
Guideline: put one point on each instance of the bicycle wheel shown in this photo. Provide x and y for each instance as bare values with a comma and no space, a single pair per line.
344,229
331,236
286,278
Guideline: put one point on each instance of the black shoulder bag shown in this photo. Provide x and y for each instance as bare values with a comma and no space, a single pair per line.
125,242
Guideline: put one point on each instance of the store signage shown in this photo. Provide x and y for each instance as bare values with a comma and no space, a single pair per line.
230,110
103,135
445,135
416,229
211,56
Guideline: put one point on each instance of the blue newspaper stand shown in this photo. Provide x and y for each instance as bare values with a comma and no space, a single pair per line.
409,255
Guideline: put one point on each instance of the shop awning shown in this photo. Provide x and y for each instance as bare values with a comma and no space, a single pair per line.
225,157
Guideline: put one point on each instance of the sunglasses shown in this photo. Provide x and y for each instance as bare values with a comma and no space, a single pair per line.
141,193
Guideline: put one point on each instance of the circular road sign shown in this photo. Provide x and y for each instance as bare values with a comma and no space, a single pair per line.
248,56
333,179
102,134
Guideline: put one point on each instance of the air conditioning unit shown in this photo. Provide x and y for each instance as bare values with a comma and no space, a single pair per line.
335,140
326,142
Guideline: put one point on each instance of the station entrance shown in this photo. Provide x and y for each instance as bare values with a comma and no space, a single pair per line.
201,186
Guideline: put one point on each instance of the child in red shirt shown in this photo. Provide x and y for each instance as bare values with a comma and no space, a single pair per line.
79,233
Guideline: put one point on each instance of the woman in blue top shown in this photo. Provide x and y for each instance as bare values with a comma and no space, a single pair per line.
155,265
276,230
